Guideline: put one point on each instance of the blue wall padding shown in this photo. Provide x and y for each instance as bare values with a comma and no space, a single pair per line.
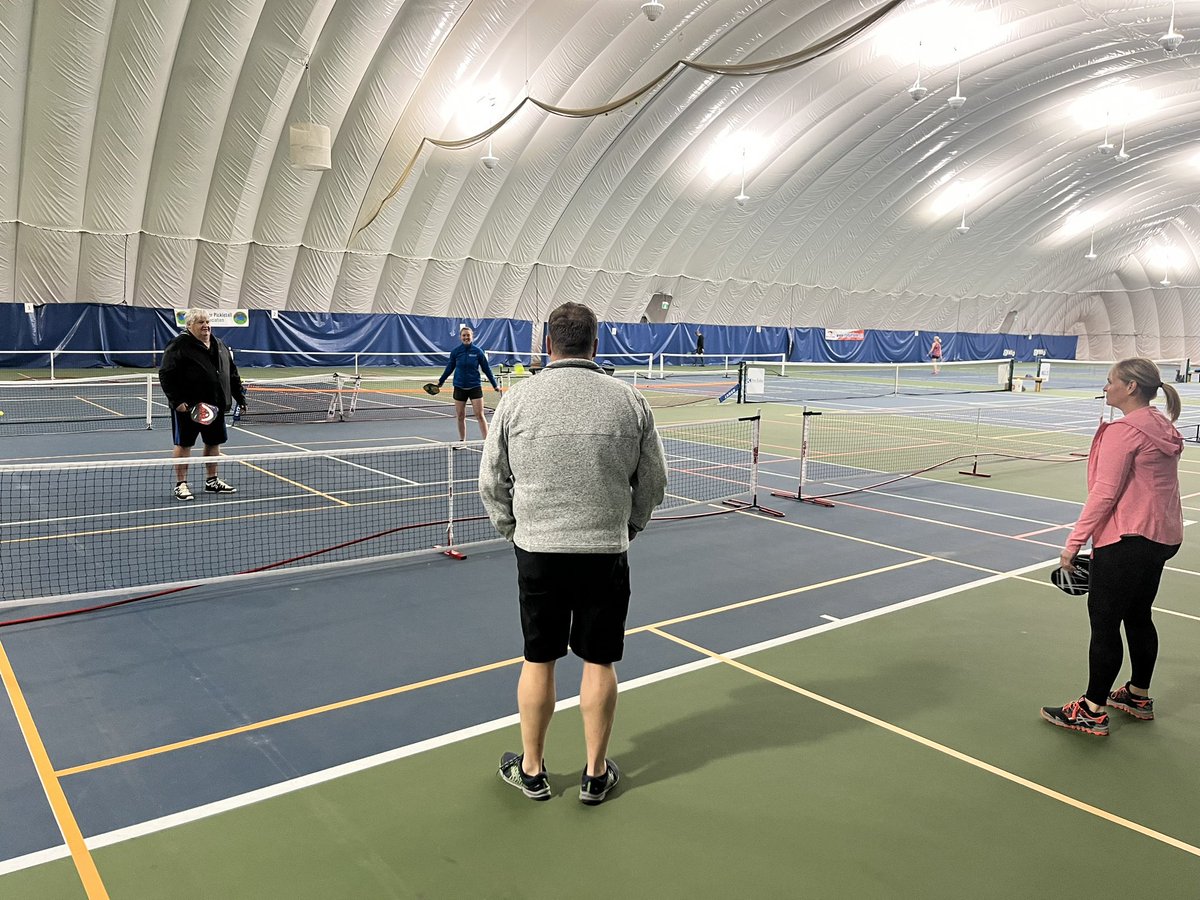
129,336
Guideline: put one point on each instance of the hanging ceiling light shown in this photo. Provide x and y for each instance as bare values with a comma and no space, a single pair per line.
1166,282
1172,39
958,99
491,160
1090,256
743,198
962,227
1107,147
1121,154
918,91
652,10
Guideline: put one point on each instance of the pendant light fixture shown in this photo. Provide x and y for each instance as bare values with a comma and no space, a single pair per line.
1172,39
958,99
743,198
918,91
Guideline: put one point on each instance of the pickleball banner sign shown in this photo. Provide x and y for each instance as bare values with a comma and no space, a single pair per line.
218,318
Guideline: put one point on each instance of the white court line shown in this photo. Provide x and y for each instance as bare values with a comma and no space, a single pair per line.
305,781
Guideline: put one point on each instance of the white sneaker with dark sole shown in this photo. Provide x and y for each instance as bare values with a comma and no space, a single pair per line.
183,492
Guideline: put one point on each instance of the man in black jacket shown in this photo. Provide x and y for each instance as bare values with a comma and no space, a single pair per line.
197,368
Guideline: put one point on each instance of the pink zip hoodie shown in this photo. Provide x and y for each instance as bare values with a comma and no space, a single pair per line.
1133,482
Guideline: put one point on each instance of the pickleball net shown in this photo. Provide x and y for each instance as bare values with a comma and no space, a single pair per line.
1091,374
847,452
804,382
77,531
121,402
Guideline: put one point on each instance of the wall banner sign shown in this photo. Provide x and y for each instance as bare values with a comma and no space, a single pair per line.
219,318
845,334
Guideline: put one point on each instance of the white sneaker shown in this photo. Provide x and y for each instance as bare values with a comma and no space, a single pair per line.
183,492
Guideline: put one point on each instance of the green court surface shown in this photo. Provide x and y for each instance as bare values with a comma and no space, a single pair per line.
738,785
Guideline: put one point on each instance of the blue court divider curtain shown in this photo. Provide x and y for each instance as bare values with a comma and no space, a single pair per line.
134,336
623,343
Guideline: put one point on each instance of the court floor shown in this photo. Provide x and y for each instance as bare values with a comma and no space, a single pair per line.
839,703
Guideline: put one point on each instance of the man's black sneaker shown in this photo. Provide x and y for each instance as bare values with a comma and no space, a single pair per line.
217,486
594,788
535,787
1127,701
1076,716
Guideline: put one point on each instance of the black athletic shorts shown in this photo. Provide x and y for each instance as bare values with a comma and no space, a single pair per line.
475,393
575,599
184,431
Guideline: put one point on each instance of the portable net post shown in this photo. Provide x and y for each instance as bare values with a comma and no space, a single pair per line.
974,470
448,549
755,444
799,494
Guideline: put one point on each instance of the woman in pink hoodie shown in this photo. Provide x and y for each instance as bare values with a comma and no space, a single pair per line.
1134,519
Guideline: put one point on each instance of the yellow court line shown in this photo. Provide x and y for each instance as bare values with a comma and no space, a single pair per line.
289,717
870,543
303,487
98,406
80,855
441,679
940,748
794,591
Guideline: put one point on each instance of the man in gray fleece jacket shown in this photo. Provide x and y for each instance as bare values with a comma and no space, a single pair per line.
571,471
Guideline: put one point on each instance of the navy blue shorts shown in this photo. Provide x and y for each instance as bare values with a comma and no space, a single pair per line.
184,431
578,600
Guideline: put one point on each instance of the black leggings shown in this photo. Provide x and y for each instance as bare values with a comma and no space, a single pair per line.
1124,582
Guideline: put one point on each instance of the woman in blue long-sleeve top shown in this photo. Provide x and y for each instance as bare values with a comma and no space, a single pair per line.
466,361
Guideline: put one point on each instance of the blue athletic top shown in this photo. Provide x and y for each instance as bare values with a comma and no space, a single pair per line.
465,363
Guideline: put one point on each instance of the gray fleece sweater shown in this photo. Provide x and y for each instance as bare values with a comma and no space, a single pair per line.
572,462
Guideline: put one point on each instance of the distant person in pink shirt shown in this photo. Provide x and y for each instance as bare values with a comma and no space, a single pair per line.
1134,519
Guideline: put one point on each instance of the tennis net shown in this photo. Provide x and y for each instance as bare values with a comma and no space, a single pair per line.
94,529
848,452
807,382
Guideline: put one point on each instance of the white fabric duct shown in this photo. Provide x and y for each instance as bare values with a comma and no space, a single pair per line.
15,49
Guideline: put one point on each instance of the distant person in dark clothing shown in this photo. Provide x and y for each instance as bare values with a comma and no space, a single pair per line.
466,361
699,347
198,368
